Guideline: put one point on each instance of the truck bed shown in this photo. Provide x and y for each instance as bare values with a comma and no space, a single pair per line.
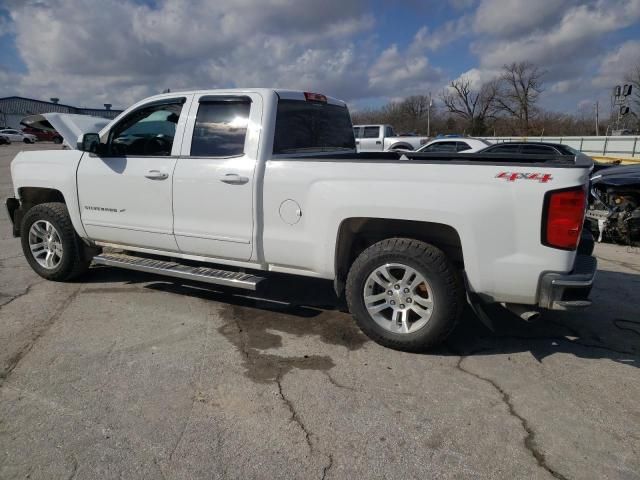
559,161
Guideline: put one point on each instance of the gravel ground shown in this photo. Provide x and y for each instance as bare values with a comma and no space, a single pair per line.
126,375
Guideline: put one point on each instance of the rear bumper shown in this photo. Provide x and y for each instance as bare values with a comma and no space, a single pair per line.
15,214
567,291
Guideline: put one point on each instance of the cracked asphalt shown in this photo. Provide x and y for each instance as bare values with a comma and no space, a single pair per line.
126,375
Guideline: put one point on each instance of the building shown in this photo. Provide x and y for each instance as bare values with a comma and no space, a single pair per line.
14,109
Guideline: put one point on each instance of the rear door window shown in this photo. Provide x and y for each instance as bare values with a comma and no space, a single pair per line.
538,150
441,147
371,132
462,146
221,127
308,126
504,149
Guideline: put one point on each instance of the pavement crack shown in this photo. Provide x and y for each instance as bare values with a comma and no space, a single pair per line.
22,294
160,471
294,414
244,343
74,469
327,467
15,359
335,383
530,438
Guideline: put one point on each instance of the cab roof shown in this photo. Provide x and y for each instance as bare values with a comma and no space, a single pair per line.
282,93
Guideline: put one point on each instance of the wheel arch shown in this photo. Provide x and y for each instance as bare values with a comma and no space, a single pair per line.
31,196
357,234
401,146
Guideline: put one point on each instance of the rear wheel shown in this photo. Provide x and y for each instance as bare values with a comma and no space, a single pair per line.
405,294
57,140
51,245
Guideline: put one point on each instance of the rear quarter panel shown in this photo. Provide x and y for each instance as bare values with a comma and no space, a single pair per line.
498,221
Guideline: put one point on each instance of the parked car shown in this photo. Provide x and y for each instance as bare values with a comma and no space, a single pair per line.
382,138
18,136
4,140
530,148
44,135
454,144
539,148
405,242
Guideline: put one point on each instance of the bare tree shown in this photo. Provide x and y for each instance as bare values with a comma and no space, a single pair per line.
474,106
519,89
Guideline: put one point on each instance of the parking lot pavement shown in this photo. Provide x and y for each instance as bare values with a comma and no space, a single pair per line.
126,375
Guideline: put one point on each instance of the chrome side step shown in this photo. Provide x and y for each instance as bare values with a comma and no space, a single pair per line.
177,270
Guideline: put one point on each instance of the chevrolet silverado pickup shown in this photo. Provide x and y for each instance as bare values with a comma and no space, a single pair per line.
224,186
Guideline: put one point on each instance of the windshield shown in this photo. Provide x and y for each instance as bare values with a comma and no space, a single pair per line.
303,126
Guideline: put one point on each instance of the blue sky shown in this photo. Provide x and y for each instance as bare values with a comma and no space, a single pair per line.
88,52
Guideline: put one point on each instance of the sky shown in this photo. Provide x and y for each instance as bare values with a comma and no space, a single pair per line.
367,52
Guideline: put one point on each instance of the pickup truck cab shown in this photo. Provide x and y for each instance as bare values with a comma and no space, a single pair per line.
223,186
382,138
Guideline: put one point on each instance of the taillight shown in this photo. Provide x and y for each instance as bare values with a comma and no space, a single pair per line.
563,217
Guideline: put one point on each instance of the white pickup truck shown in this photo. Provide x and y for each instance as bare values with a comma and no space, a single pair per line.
222,186
382,138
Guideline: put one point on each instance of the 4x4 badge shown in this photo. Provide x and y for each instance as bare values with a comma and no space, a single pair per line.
513,176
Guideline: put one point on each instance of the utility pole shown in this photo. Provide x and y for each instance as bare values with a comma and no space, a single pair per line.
429,105
597,120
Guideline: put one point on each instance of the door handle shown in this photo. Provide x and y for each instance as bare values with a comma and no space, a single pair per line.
157,175
378,142
234,179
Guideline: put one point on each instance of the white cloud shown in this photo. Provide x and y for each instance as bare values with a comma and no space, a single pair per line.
478,77
124,50
449,32
519,17
118,51
616,65
406,73
574,37
567,39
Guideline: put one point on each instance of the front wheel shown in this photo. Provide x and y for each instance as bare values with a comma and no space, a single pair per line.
405,294
51,245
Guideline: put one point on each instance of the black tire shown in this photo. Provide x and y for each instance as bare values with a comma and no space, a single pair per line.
57,140
76,256
26,140
443,278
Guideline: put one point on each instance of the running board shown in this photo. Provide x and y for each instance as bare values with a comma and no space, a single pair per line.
177,270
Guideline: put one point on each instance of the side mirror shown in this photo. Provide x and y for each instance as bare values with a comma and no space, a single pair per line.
88,142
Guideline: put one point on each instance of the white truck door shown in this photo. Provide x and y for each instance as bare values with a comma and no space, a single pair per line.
213,184
371,139
125,193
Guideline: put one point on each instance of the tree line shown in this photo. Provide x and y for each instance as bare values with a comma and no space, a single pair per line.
507,105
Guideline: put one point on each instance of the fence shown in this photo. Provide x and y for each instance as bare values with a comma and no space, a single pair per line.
622,146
